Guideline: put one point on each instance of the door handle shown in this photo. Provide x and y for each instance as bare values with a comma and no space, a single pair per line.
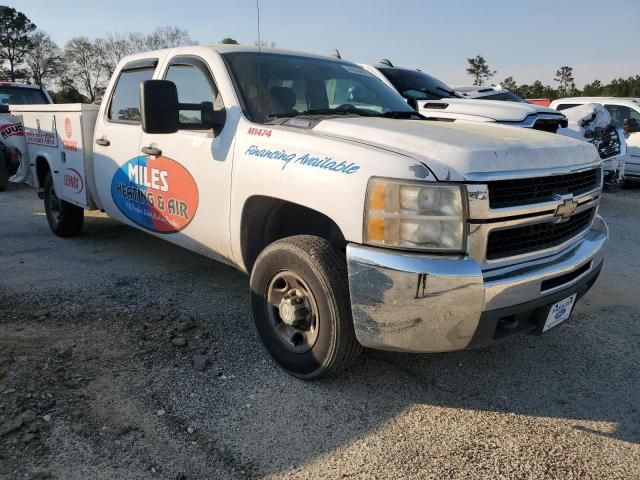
103,142
156,152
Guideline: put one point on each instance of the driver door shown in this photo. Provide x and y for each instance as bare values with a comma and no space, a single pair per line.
189,172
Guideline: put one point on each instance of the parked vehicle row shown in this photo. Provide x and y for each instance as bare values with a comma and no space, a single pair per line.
433,98
12,141
361,222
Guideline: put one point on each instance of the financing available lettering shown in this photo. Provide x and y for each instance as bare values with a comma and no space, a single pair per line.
305,160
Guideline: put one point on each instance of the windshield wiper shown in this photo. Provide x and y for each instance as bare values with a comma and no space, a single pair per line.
323,111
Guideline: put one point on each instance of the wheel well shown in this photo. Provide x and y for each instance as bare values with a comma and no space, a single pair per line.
42,168
267,219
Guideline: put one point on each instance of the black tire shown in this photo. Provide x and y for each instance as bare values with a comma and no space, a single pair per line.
65,219
4,173
323,269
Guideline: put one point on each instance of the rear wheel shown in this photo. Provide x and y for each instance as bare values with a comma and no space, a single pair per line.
300,304
65,219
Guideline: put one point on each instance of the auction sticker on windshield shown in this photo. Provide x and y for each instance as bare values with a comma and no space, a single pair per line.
560,312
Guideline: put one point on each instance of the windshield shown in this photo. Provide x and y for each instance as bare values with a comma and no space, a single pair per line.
279,86
418,85
505,97
22,96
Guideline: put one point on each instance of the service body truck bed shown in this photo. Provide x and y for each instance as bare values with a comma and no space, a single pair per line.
63,136
360,222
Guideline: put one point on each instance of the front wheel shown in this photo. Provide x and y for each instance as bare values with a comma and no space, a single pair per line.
65,219
300,305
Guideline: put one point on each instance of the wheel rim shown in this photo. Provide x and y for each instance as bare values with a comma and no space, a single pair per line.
55,207
292,311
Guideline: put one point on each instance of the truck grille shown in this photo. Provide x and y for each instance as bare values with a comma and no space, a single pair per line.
523,191
607,141
530,238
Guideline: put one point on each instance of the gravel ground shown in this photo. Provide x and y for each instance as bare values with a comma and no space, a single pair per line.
124,357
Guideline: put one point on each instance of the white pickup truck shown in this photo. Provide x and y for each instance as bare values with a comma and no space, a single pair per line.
13,145
360,222
625,115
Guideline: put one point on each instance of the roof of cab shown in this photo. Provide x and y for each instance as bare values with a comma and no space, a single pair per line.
225,48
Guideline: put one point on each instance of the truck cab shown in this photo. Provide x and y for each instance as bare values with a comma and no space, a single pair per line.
14,166
359,221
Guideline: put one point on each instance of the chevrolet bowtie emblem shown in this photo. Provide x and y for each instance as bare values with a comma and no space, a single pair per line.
566,208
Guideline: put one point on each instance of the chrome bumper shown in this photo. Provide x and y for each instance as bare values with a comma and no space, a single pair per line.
421,303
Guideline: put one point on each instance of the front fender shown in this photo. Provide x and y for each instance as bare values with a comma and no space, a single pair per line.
324,174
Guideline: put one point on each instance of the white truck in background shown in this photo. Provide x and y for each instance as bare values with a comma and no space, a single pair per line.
592,122
434,99
360,222
13,144
625,116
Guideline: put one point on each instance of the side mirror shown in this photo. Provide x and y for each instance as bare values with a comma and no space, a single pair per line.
212,118
159,106
413,103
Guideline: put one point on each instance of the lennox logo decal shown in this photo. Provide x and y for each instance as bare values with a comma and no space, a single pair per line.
73,180
10,130
156,193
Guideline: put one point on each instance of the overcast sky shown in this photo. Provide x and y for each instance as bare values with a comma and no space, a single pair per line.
528,40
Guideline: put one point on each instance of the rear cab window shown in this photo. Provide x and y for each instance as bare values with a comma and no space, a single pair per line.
124,106
564,106
12,95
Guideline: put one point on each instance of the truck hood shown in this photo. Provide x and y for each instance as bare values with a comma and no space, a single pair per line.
457,150
496,110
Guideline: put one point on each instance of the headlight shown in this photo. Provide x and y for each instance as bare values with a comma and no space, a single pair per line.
414,215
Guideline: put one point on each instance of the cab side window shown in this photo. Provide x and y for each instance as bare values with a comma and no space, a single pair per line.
620,113
125,101
195,85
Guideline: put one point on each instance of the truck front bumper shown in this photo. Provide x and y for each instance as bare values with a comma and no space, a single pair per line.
425,303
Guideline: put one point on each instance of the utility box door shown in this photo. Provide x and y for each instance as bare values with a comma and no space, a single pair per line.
74,187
